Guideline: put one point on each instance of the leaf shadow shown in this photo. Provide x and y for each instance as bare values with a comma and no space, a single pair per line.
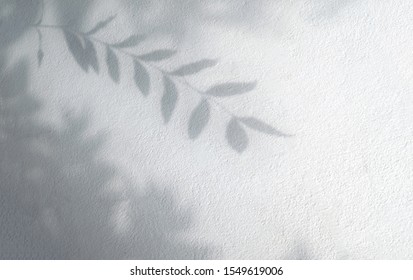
77,50
194,67
112,62
141,77
230,89
169,99
199,119
236,136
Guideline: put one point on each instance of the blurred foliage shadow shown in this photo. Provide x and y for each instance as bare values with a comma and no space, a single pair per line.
55,200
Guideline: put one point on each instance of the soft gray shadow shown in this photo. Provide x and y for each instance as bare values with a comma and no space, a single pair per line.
199,119
299,252
329,8
57,199
72,12
15,18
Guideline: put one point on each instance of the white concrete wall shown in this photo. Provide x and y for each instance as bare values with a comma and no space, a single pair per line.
91,169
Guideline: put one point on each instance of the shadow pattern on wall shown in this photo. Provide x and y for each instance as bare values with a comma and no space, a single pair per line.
59,200
85,45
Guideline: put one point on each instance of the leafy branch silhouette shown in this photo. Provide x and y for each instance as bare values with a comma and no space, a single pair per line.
83,48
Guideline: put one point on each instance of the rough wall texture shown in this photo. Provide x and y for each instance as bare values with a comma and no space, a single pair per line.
206,129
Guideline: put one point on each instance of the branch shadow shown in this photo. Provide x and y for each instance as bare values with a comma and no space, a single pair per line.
59,200
85,48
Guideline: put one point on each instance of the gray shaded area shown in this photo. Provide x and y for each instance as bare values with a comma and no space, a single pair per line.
56,200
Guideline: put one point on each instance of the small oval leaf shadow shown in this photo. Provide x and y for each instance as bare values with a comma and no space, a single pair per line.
236,136
157,55
199,119
113,65
261,126
193,68
169,99
142,79
229,89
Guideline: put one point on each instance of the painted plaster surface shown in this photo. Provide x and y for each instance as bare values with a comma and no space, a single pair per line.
206,129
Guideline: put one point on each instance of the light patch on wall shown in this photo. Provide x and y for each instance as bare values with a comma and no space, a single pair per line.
121,220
